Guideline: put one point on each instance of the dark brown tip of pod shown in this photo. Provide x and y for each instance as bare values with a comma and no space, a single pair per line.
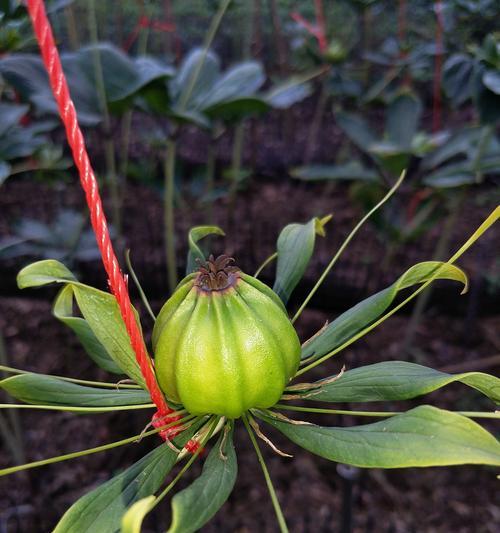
217,274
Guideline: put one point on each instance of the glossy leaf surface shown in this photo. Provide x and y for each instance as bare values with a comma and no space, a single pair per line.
400,380
98,308
424,436
295,247
47,390
361,315
194,506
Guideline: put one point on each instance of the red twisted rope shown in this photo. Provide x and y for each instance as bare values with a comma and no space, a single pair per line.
117,281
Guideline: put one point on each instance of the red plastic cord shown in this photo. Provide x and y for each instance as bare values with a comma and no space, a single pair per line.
117,281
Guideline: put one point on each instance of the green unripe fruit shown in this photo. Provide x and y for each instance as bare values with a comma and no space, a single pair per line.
223,343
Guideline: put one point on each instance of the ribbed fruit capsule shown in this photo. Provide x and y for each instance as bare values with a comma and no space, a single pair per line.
223,342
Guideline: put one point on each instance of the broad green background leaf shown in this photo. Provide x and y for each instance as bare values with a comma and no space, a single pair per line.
424,436
196,234
357,129
63,310
289,91
132,519
10,115
194,506
208,75
101,510
98,308
361,315
295,247
39,389
399,380
241,80
5,170
458,74
353,170
403,117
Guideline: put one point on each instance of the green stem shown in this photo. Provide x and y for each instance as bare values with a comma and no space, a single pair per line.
168,214
488,222
210,178
73,409
270,487
484,141
103,384
439,253
211,426
335,258
71,27
138,285
214,26
469,414
89,451
12,433
271,258
126,122
317,118
109,146
236,160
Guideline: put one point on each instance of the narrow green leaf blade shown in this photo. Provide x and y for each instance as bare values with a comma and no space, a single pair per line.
102,509
361,315
63,311
193,507
295,247
99,309
399,380
132,519
195,235
103,316
47,390
424,436
43,273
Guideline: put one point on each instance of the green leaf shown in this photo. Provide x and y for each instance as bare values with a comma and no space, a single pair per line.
99,309
63,311
132,519
361,315
10,115
458,76
196,234
289,91
5,170
43,273
194,506
491,78
122,75
295,247
403,117
39,389
241,80
101,510
399,380
424,436
357,129
352,171
207,77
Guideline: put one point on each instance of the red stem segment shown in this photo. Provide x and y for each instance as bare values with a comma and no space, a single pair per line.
117,281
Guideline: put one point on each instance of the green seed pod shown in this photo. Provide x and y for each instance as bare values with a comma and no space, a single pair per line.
223,343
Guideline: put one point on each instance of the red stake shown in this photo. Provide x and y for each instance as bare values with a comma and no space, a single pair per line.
117,282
